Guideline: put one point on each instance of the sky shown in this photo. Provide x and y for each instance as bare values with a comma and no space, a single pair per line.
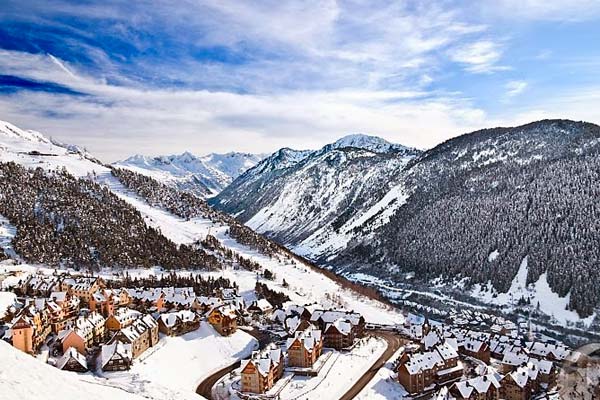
163,77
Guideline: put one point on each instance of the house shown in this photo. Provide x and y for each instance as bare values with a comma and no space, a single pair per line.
63,309
116,356
83,287
72,360
146,299
261,372
102,301
321,318
30,328
486,387
513,359
40,285
339,334
231,296
178,323
141,335
549,351
261,307
203,304
477,349
520,384
421,372
122,318
74,339
304,348
224,319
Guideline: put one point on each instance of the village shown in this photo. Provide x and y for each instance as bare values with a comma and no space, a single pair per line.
95,325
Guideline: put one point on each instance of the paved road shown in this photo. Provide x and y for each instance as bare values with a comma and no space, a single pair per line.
205,387
394,342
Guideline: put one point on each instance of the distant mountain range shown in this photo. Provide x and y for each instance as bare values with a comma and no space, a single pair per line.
204,176
504,210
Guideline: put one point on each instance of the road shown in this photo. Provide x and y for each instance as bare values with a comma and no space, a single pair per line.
205,387
394,342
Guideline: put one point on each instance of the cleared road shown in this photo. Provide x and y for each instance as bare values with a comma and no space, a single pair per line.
394,343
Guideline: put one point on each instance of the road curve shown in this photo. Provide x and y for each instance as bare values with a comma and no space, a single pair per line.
205,387
394,342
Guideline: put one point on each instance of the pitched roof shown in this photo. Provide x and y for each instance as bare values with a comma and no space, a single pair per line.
71,353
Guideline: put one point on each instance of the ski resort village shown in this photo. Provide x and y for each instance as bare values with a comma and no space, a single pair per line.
115,285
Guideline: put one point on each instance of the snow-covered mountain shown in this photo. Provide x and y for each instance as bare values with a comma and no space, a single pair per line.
528,192
295,195
205,176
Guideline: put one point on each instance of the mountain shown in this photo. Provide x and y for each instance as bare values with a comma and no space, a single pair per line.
481,214
204,176
293,195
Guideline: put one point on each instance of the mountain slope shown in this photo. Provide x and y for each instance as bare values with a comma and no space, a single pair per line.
204,176
478,206
293,194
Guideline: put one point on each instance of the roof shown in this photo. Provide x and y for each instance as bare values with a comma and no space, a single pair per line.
309,338
264,360
479,385
329,316
170,319
117,348
71,353
343,326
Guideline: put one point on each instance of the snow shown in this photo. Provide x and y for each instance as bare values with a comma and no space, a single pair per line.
180,363
338,374
371,143
7,299
385,384
493,255
215,171
24,377
7,233
550,303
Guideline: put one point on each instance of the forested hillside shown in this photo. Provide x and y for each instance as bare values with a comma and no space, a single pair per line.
64,220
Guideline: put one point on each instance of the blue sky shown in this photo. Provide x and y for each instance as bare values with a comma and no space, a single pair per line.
158,77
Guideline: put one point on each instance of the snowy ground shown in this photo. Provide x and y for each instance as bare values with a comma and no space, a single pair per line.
385,384
7,233
180,363
24,377
338,375
7,299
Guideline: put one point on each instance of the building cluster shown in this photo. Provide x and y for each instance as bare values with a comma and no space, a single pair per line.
455,362
309,329
77,318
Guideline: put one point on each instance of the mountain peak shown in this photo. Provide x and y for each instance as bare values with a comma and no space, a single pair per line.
368,142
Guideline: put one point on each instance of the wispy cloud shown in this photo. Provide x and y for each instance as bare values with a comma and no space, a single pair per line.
479,57
514,88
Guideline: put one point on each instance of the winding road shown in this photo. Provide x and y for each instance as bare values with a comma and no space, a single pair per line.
393,344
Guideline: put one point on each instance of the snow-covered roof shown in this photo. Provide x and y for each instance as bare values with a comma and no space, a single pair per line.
170,319
479,385
309,338
343,326
264,360
117,348
330,316
71,353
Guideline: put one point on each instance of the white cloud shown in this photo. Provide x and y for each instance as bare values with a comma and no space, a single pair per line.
514,88
478,57
549,10
114,122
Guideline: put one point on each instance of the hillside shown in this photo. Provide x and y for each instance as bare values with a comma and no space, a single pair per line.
204,176
291,195
481,206
24,377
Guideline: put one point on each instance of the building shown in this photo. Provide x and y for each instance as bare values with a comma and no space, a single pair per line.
141,335
122,318
72,360
262,370
30,329
178,323
116,356
339,334
322,318
423,371
82,287
477,349
224,319
520,384
304,348
486,387
261,307
204,304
